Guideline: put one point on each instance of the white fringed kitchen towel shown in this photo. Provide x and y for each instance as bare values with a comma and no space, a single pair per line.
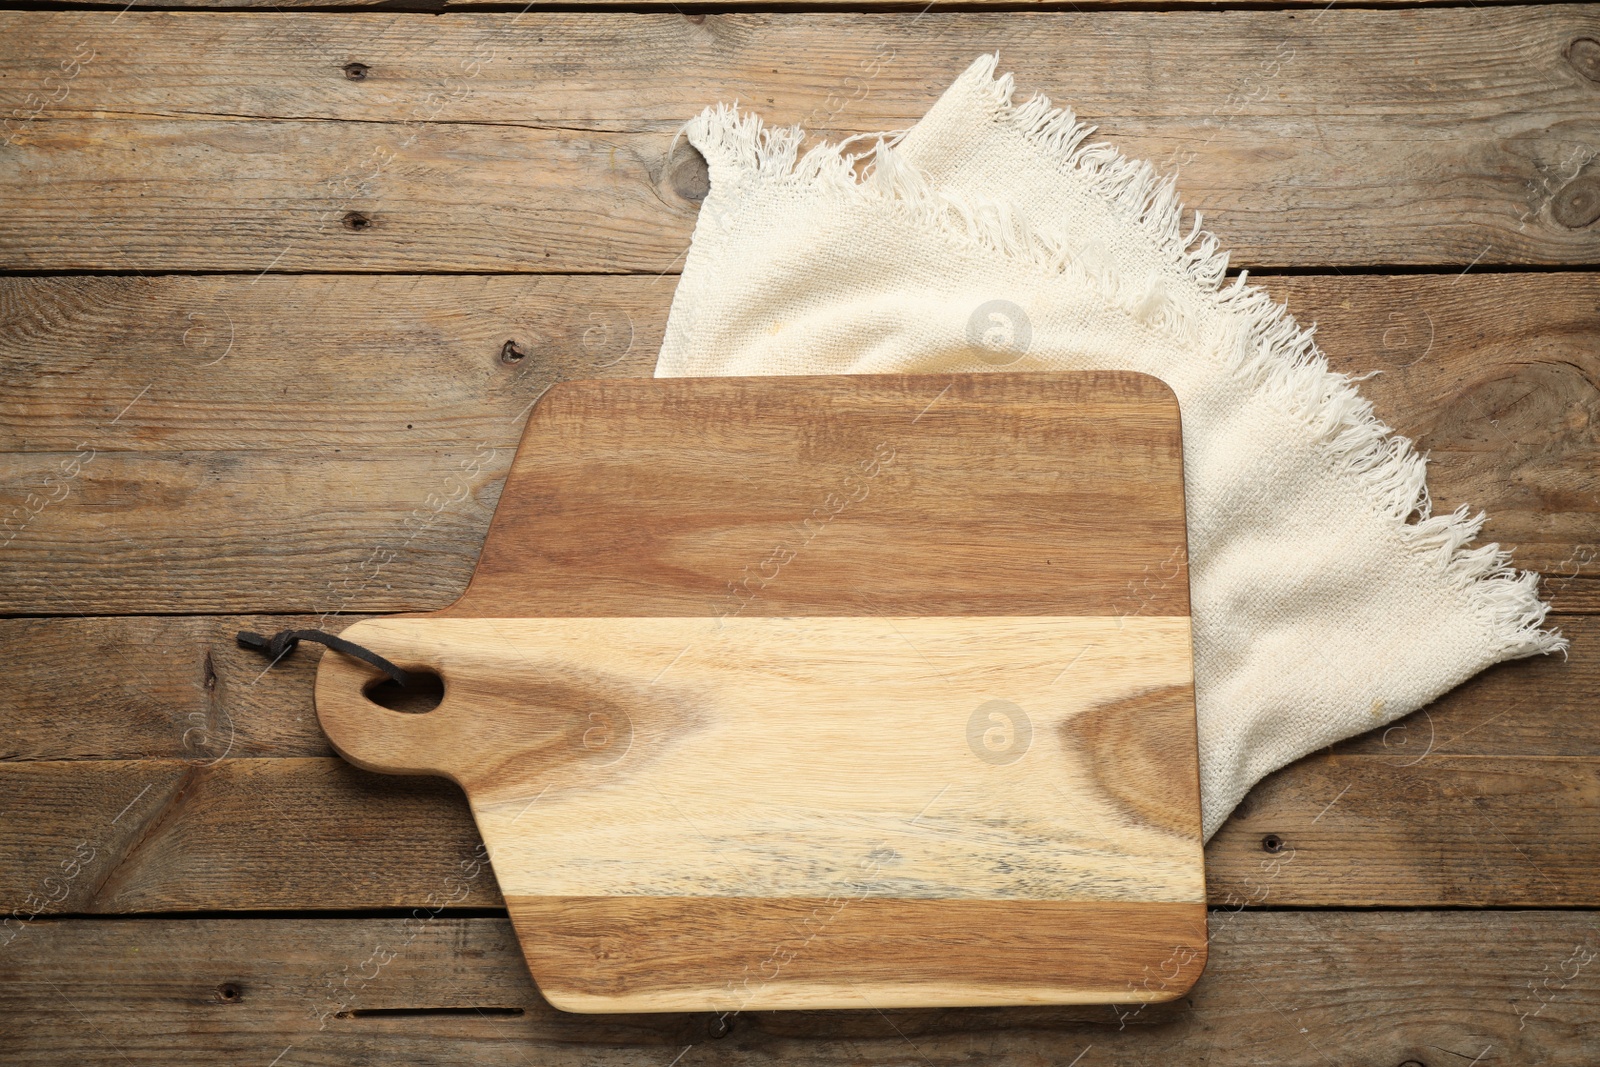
1326,600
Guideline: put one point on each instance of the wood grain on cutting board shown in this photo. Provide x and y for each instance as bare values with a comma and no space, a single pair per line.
824,693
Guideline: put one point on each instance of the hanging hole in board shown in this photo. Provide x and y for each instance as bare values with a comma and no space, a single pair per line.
422,693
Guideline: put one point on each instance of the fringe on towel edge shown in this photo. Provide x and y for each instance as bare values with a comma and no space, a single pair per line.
1274,354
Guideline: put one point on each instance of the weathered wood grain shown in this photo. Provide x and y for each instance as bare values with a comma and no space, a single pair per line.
1294,989
490,5
1312,826
284,833
538,141
1496,375
174,686
276,195
586,70
178,687
317,833
128,531
325,361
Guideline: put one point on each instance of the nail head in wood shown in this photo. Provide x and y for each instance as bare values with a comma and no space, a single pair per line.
356,72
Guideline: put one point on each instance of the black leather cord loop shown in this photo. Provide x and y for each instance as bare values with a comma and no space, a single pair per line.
281,644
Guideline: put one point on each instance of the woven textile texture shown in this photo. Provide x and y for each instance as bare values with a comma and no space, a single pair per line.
993,235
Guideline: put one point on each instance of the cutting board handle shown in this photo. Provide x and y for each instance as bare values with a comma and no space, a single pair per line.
506,713
376,738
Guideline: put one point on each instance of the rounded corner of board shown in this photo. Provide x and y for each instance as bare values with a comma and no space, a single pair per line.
1185,962
571,1003
1152,383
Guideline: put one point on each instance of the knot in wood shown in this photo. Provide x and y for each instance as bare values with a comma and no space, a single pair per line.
1577,204
1584,55
688,174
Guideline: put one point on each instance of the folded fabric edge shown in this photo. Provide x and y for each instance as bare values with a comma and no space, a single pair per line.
1270,351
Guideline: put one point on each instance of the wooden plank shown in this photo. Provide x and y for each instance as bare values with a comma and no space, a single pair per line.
456,6
284,833
179,688
269,195
1354,830
1467,831
1351,137
1295,989
1494,374
139,515
590,70
364,362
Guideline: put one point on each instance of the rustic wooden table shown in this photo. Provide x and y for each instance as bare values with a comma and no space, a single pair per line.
281,286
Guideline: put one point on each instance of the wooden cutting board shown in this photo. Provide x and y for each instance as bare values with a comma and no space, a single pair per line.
830,692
